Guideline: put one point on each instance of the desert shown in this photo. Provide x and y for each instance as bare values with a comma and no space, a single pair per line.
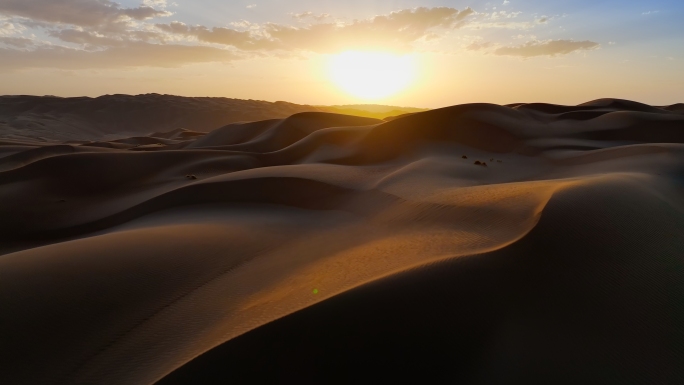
327,248
303,192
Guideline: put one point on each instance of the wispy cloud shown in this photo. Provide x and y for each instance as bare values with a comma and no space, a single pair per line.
311,15
126,55
479,46
506,20
8,28
244,40
84,13
546,48
17,42
105,34
396,31
155,3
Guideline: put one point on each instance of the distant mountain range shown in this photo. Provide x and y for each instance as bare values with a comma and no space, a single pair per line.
54,118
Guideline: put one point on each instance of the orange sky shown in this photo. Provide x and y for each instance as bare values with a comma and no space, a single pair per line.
511,52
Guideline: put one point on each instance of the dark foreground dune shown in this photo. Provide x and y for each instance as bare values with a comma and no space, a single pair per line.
330,249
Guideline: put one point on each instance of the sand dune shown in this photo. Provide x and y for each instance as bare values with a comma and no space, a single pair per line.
55,118
475,244
110,117
371,110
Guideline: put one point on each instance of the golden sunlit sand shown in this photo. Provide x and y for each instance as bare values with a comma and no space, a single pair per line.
478,243
212,192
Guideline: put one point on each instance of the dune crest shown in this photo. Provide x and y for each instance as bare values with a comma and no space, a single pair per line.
147,259
52,119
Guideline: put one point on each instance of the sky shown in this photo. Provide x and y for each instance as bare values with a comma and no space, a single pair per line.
508,51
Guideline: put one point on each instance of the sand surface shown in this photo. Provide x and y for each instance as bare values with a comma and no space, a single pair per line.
111,117
49,118
475,244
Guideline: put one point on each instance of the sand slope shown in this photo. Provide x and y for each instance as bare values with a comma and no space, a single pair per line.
109,117
325,248
54,118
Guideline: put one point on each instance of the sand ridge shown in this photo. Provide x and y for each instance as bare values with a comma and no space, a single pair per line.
161,257
78,120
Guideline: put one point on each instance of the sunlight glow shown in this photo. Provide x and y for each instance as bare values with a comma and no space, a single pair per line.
372,75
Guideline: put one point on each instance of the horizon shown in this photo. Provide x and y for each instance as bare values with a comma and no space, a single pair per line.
360,105
423,54
341,192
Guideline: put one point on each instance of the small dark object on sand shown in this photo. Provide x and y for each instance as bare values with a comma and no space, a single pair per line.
491,160
61,200
464,157
484,164
191,177
498,161
477,162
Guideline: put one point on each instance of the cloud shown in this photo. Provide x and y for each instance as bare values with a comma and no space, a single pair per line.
503,20
395,31
155,3
311,15
96,44
17,42
503,15
8,28
479,46
84,13
546,48
105,34
251,6
127,55
86,38
244,40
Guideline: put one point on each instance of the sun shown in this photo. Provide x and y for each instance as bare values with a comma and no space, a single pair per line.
372,75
